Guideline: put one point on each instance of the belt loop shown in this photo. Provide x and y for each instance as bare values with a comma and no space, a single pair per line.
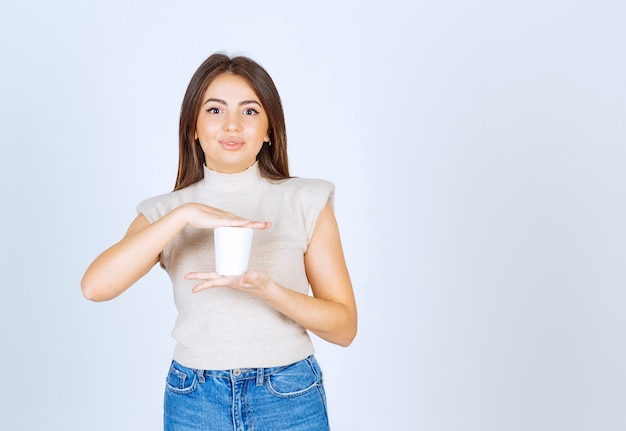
200,374
260,374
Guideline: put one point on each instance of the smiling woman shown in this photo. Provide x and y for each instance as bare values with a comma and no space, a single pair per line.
251,328
251,83
232,125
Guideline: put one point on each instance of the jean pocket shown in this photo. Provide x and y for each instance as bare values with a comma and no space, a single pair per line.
181,380
295,380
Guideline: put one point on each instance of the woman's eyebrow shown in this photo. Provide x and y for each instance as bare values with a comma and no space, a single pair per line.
247,102
223,102
213,99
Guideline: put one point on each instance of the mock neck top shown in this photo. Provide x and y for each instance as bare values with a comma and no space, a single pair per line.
221,183
220,328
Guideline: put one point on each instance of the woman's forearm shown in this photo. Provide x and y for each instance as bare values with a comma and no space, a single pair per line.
121,265
332,321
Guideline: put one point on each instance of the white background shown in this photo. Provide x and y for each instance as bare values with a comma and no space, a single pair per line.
478,150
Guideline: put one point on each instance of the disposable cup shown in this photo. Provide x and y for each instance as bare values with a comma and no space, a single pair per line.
232,249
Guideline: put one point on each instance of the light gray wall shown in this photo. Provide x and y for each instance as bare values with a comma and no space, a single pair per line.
478,149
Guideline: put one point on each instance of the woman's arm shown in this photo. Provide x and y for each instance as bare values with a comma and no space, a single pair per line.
120,266
331,312
330,282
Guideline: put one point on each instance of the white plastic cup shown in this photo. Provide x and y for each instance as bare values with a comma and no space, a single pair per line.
232,249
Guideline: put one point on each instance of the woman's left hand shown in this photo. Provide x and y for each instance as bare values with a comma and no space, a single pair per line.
330,312
254,282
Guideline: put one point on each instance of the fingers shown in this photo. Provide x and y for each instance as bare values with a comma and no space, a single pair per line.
202,276
207,276
256,224
233,220
247,281
260,225
211,279
205,217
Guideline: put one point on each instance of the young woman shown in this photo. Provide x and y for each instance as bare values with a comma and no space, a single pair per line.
243,358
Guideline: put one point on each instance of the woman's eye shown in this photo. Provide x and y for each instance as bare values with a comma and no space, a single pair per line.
213,110
250,111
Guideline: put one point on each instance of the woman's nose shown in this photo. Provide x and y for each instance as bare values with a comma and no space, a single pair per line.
232,122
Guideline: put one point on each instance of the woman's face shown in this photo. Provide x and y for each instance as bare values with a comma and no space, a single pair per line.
232,124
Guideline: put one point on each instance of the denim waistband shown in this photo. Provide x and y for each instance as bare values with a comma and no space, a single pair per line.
237,374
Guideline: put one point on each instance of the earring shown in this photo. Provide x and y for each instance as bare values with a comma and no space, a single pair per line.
269,143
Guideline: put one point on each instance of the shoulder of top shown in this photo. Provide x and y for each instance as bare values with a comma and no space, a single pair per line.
172,196
297,182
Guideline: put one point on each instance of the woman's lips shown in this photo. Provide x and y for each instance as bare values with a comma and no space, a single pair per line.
231,143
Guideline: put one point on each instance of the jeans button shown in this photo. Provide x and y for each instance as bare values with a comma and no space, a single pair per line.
236,372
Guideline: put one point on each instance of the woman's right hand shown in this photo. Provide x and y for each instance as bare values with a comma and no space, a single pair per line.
122,264
205,217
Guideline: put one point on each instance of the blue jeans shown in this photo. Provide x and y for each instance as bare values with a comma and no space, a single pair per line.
283,398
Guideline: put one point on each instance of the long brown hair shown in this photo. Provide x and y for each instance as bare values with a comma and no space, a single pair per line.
272,158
